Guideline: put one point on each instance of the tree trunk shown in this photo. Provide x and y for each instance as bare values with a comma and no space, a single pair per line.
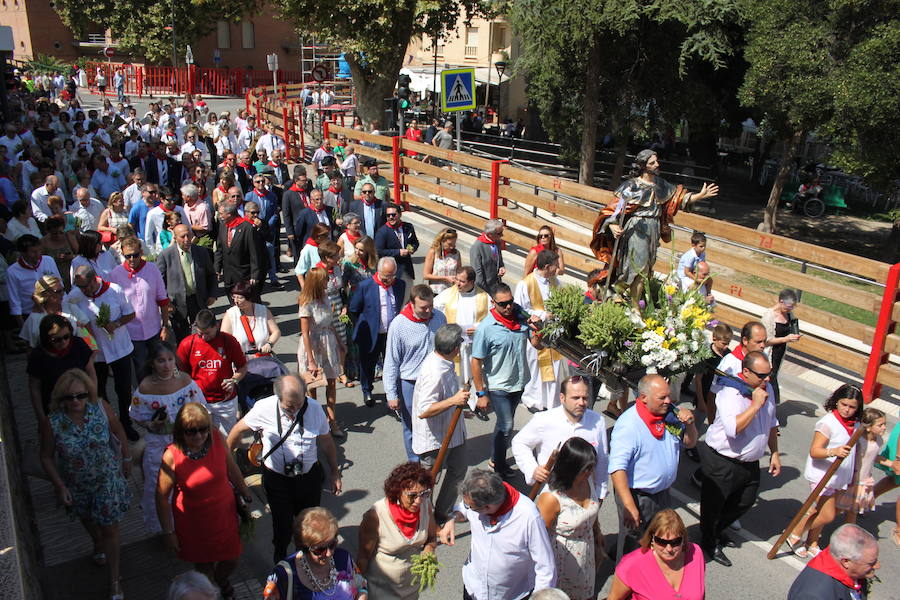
784,168
371,92
591,113
892,247
621,150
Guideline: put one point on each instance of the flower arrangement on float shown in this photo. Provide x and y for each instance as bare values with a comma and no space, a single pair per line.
662,331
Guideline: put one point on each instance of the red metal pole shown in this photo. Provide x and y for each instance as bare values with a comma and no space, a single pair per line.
326,130
398,173
871,388
287,132
302,157
495,186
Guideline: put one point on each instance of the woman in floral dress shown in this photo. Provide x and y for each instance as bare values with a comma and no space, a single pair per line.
88,473
330,256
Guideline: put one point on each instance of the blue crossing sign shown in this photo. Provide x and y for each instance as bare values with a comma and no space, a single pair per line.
458,89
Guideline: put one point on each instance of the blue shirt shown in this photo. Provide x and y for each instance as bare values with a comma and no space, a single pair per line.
502,354
408,345
8,188
106,184
651,464
138,216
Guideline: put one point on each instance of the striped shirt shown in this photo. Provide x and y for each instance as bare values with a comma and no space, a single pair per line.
437,382
408,344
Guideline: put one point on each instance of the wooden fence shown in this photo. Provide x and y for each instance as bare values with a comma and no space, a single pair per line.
475,189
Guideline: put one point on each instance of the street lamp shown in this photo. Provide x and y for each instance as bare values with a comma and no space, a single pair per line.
501,65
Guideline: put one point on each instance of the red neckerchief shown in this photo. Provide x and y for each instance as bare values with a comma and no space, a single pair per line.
511,324
849,424
483,238
332,190
323,266
104,285
64,352
512,496
133,272
366,202
398,226
352,238
407,521
259,193
446,253
590,294
311,242
221,189
243,165
274,165
235,222
538,249
654,424
166,210
25,265
316,210
294,188
739,352
409,314
823,562
379,282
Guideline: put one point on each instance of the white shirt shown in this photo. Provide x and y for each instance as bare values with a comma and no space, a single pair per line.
189,147
837,435
39,205
20,282
131,194
244,140
226,142
546,430
436,382
118,168
13,144
103,265
511,558
523,298
465,308
89,215
750,444
301,444
388,310
119,345
269,142
154,225
162,168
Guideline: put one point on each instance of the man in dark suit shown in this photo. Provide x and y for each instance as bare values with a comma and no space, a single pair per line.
294,200
244,171
373,306
369,209
141,160
395,239
190,279
316,213
237,250
163,170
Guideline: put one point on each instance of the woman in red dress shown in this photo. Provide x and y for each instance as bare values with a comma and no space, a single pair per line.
414,134
545,240
200,523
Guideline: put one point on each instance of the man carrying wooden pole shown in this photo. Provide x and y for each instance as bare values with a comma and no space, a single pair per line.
437,391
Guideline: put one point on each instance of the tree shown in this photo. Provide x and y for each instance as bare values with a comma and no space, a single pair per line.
830,68
374,35
617,59
139,25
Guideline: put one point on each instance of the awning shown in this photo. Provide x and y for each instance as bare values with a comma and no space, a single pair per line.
422,77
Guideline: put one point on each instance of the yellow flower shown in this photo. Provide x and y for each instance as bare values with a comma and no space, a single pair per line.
670,290
660,331
650,323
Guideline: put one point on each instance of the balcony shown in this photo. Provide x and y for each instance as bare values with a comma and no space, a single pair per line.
95,40
471,52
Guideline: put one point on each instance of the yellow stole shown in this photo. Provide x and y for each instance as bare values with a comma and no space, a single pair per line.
481,310
546,357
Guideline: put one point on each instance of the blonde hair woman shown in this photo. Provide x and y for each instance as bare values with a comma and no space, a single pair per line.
442,261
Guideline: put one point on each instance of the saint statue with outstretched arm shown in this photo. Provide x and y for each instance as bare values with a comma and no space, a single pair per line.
639,217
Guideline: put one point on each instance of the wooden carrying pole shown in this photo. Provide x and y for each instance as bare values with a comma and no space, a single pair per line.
445,445
551,462
815,494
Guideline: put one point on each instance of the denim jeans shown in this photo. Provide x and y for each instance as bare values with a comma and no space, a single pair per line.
273,264
407,388
504,404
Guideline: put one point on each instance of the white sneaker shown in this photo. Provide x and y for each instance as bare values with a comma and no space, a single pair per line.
736,526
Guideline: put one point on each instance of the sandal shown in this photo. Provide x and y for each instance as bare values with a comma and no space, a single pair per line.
346,381
117,591
813,551
895,536
802,551
793,541
339,433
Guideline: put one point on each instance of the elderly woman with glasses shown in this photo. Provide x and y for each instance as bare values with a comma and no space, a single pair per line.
396,528
319,569
666,565
87,458
200,475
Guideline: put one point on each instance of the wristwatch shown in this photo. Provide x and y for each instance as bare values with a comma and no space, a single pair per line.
481,394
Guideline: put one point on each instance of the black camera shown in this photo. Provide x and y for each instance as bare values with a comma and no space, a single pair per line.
294,468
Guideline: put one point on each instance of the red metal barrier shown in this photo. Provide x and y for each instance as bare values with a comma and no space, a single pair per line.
398,175
871,388
495,186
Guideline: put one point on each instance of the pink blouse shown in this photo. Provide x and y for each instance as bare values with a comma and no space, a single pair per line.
639,571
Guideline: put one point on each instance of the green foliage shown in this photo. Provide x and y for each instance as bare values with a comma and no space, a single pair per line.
425,567
606,327
139,25
830,67
566,304
44,63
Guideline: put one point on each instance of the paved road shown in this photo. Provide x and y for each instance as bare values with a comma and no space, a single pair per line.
374,447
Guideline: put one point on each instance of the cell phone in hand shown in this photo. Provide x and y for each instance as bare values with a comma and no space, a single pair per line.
794,325
160,414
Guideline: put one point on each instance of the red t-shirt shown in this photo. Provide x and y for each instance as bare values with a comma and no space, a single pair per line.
210,363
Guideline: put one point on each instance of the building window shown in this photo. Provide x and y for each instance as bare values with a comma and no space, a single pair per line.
223,34
248,35
471,50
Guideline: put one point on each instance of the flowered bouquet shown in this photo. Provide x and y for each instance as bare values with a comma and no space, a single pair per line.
662,332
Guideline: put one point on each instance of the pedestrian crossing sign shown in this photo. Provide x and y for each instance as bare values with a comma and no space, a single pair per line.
457,89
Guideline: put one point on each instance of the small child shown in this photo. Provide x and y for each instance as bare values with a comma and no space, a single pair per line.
169,222
830,441
705,401
859,497
687,265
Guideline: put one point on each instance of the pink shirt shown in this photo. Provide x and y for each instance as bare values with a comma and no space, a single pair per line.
145,292
198,215
640,572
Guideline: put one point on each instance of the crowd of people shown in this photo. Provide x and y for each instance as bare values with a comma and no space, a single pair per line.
120,232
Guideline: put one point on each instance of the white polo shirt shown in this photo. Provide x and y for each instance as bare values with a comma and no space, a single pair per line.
301,444
750,444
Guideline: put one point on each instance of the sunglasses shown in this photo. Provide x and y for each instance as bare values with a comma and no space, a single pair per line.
78,396
252,212
153,192
662,542
390,215
196,430
760,375
58,339
413,495
503,304
322,550
544,235
132,255
367,192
